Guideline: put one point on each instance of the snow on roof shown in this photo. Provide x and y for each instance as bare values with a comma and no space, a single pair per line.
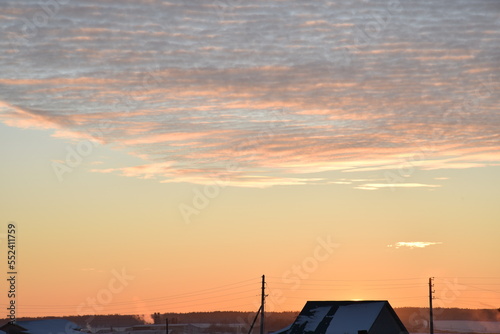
341,317
354,317
50,326
312,321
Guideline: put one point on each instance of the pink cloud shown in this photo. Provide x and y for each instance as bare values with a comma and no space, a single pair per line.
149,171
17,117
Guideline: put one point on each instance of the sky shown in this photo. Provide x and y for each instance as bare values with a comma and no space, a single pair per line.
160,156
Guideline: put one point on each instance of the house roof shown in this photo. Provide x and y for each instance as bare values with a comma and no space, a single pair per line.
340,317
44,326
362,315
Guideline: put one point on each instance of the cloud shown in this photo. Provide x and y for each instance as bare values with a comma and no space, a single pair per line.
373,186
144,171
365,188
231,176
192,88
414,244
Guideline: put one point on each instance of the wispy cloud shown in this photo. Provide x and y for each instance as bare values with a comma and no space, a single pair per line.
414,244
279,89
374,186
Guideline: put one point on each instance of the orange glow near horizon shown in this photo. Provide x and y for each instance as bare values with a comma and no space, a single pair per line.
164,158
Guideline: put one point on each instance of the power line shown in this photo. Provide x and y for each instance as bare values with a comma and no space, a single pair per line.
177,296
353,283
240,291
359,280
192,299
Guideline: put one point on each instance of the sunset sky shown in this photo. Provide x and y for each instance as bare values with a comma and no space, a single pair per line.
160,156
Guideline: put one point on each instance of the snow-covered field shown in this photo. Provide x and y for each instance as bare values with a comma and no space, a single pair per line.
467,326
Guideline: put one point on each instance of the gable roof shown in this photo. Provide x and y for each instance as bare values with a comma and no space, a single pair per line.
44,326
341,317
362,315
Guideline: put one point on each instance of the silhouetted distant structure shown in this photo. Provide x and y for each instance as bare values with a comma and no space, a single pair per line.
44,326
156,318
346,317
161,329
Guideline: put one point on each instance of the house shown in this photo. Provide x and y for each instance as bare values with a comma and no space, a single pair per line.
43,326
346,317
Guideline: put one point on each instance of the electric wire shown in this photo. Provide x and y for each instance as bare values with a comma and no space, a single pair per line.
239,291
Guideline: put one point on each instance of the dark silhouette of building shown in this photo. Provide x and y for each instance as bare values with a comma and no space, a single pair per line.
346,317
44,326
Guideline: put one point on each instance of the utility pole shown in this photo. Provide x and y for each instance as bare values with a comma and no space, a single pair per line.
431,296
166,325
261,308
262,302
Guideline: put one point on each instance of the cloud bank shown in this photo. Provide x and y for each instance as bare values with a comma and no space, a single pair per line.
263,93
